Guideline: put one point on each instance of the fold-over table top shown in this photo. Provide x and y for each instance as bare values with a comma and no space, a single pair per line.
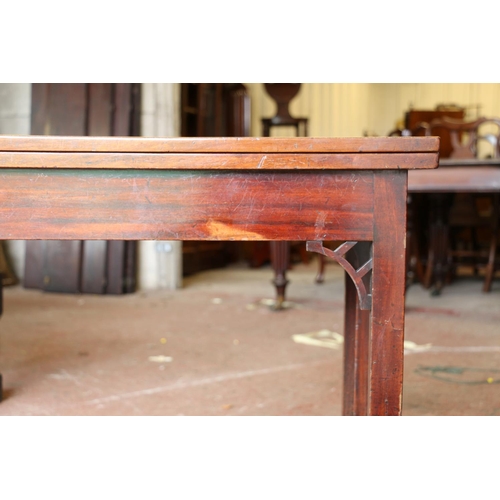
227,153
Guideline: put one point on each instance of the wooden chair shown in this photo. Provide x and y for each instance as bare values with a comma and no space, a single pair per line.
419,129
473,223
472,139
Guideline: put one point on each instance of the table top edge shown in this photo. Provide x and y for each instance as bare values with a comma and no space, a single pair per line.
358,145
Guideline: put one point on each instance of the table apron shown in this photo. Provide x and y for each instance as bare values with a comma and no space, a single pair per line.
186,204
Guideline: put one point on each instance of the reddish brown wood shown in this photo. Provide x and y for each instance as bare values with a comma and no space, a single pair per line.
357,269
388,292
216,161
356,259
206,145
204,202
468,178
181,205
356,339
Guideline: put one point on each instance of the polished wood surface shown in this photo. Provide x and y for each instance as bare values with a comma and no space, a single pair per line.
185,205
475,176
301,189
207,145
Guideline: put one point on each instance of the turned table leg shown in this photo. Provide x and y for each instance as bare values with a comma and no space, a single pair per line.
438,265
280,260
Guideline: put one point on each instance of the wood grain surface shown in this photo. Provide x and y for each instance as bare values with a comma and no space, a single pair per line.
185,205
221,144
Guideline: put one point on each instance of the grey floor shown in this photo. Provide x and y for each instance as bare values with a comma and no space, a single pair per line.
215,347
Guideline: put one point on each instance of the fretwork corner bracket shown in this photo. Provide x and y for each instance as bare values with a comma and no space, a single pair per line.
339,255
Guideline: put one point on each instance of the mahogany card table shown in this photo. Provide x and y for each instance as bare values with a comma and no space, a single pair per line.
272,189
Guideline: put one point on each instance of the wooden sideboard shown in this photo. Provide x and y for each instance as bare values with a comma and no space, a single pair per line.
249,189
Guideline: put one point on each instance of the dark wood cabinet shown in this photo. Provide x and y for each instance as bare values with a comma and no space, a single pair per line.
80,109
213,110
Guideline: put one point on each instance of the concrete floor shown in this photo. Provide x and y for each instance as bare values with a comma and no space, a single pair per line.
213,348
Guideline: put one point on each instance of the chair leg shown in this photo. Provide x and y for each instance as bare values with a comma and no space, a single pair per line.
280,259
491,266
320,277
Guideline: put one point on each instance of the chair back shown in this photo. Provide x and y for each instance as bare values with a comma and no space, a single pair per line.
472,139
419,129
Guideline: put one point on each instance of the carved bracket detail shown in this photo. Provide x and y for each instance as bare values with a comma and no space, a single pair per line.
364,295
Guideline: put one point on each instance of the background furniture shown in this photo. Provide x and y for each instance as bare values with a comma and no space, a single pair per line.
313,190
416,123
463,227
455,177
282,94
415,117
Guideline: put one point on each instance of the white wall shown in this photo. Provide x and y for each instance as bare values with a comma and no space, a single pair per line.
160,263
353,109
333,109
